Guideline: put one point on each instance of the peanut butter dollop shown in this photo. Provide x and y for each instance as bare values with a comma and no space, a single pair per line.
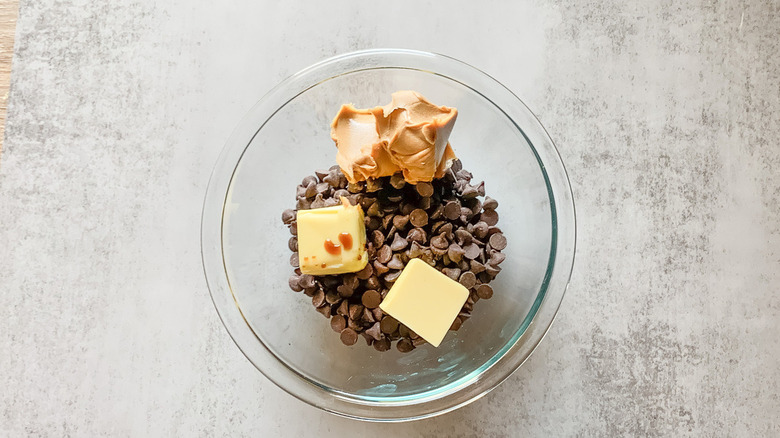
409,135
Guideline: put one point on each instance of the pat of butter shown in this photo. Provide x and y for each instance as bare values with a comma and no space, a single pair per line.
332,240
425,300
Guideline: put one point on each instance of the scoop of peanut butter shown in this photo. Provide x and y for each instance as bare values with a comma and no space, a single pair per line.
409,135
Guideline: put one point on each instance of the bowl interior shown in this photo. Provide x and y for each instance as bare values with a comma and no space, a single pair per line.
293,143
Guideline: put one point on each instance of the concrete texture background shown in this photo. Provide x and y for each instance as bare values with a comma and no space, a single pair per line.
666,115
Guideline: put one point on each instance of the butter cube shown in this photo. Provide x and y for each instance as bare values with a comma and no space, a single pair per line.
425,300
332,240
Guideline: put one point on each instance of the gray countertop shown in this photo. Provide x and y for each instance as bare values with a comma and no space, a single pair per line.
665,115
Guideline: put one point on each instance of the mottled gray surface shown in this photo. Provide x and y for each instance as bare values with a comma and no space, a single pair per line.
666,116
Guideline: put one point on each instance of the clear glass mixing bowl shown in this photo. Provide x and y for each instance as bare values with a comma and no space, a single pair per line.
285,137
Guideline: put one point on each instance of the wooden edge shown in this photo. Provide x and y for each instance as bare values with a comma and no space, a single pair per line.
8,13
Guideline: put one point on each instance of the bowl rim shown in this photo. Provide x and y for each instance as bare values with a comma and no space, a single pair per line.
544,309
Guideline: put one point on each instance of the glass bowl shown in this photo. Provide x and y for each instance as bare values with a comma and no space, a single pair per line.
285,137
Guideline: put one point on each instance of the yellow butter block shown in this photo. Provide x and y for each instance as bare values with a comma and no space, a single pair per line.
425,300
332,240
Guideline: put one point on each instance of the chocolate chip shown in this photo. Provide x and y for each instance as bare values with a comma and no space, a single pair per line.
452,210
373,282
395,263
307,281
414,251
365,273
480,229
405,345
439,242
384,254
294,283
378,314
382,344
424,203
462,236
418,218
472,251
469,192
338,194
332,178
345,291
492,270
490,217
338,323
309,179
294,228
456,324
371,299
355,311
332,297
321,173
496,258
395,198
475,206
498,241
456,165
388,325
403,330
484,291
373,184
464,175
368,316
377,238
366,202
311,191
438,213
293,244
399,243
425,189
477,267
375,331
453,273
387,221
288,216
343,309
318,300
400,221
351,280
348,336
490,203
324,310
493,230
468,279
318,202
373,210
392,276
419,341
372,223
379,268
397,181
356,187
417,235
455,252
300,192
466,214
355,324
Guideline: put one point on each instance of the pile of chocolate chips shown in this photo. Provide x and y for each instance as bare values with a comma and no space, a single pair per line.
444,223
